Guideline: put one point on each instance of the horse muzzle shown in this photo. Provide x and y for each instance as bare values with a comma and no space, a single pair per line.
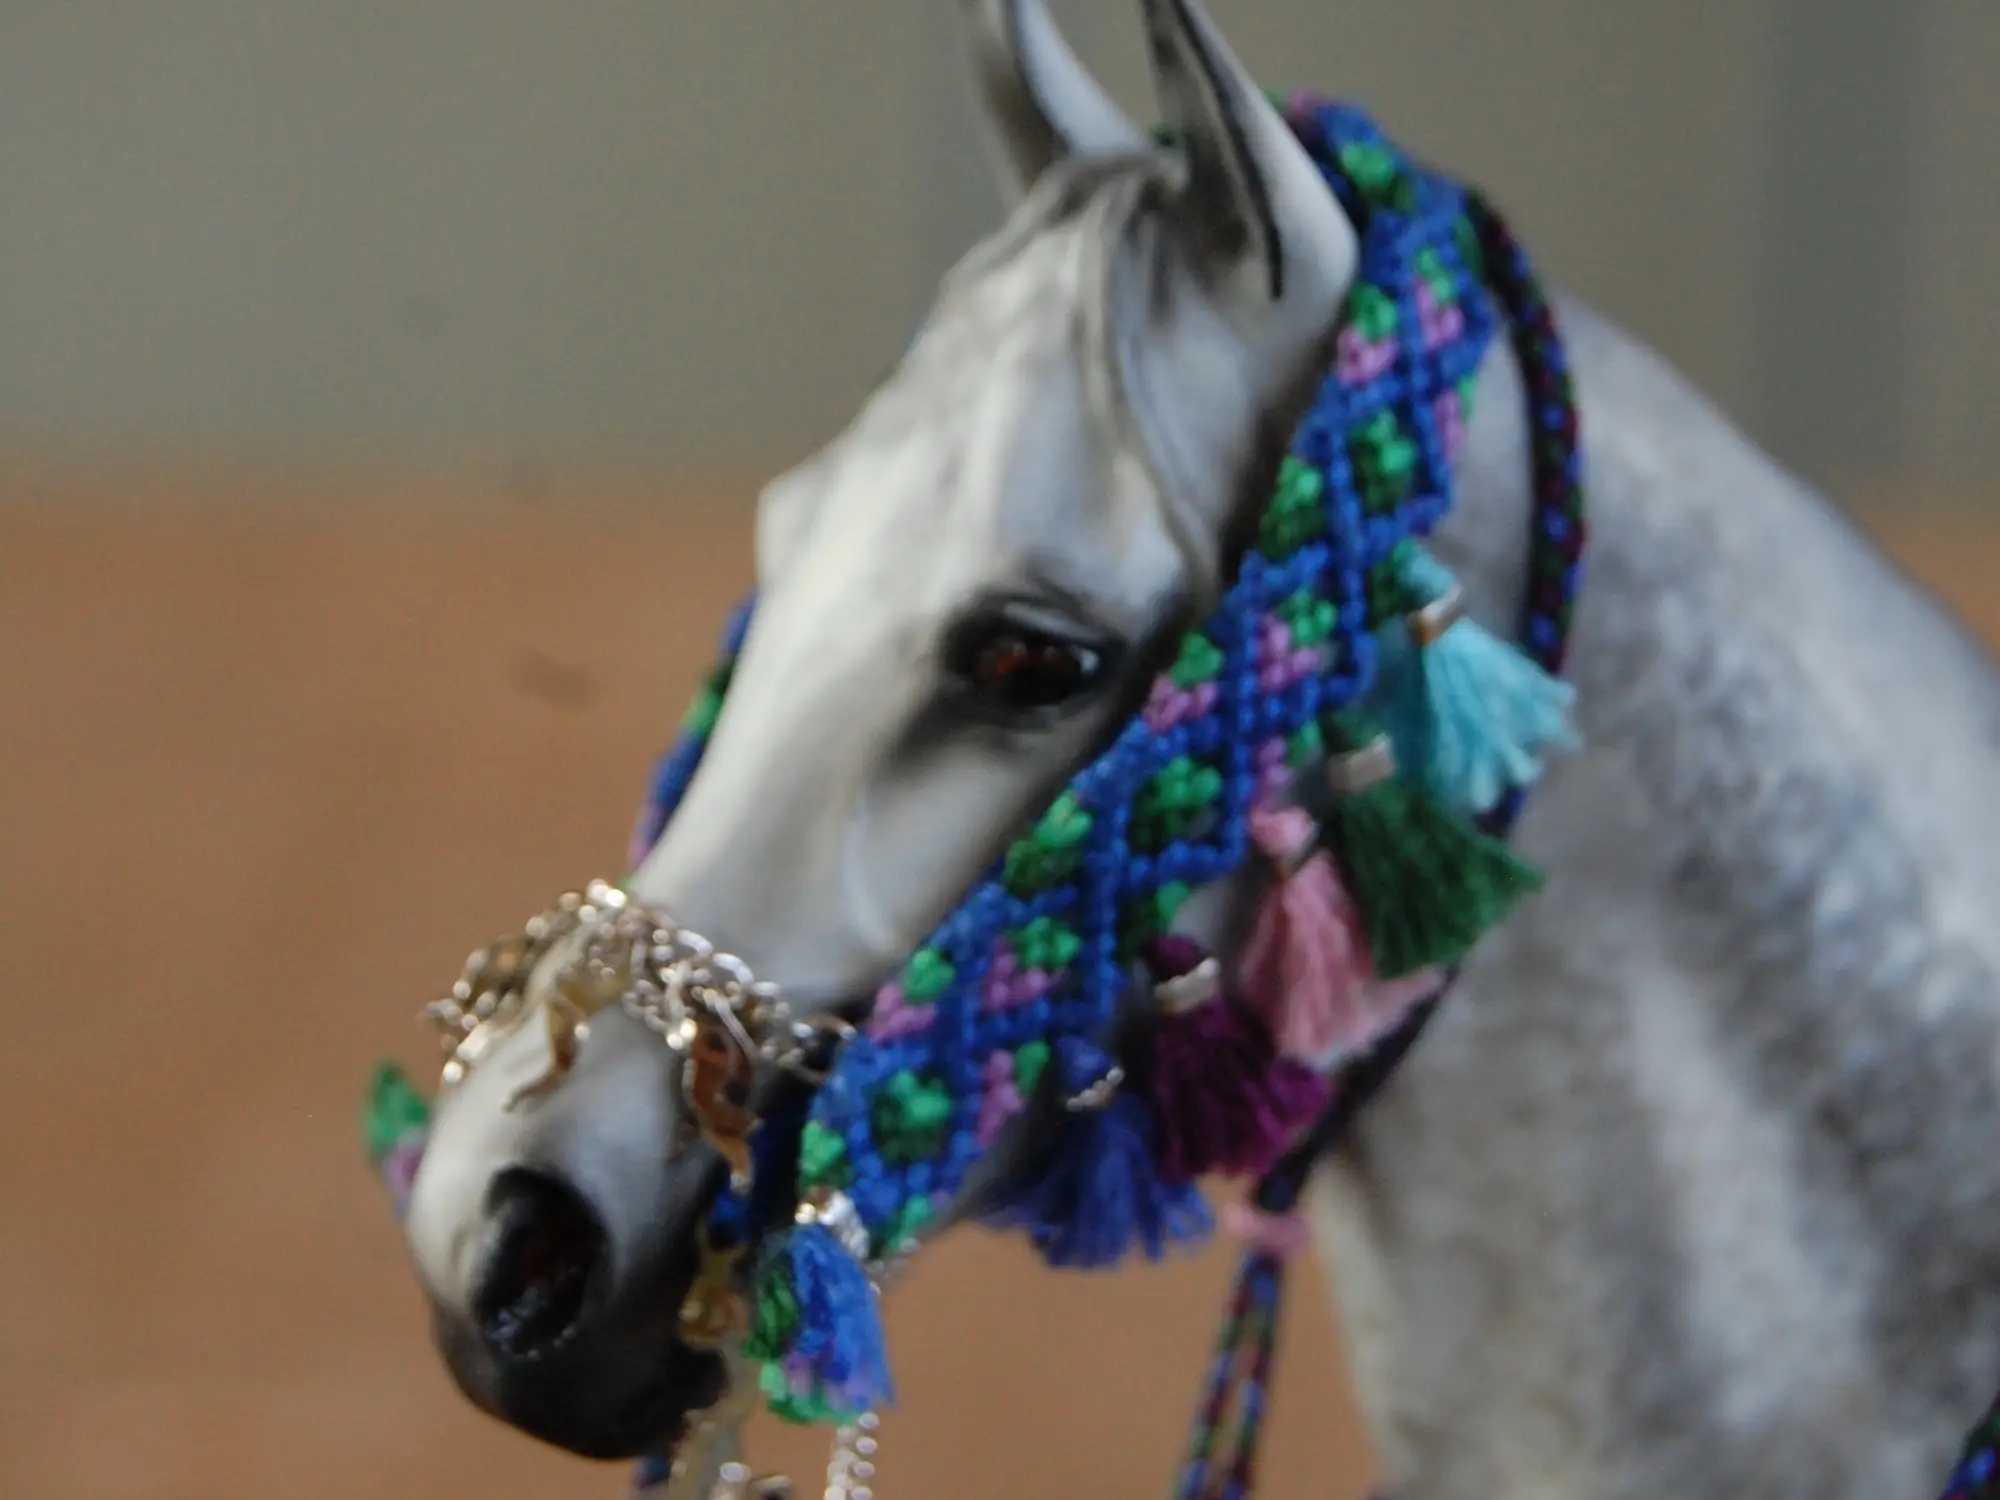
559,1343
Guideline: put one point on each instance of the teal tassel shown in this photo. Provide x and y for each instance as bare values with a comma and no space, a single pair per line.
1470,715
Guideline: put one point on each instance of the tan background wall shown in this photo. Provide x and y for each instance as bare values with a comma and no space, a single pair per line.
268,779
270,771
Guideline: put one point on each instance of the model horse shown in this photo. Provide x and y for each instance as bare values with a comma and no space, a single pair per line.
1689,1189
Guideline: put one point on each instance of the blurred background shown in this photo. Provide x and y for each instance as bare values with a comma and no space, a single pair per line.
383,390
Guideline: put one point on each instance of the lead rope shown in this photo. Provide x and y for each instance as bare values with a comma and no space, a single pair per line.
1977,1473
1222,1454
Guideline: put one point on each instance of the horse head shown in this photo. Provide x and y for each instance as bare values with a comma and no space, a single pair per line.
960,600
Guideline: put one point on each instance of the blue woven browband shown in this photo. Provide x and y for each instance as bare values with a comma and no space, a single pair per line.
1307,659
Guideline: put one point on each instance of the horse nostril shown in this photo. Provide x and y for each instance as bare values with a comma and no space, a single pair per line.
547,1247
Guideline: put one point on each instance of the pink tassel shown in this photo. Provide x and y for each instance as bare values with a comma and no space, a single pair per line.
1386,999
1278,1235
1306,968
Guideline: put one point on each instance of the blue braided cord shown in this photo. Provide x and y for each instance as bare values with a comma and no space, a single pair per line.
1976,1475
1555,569
1233,1399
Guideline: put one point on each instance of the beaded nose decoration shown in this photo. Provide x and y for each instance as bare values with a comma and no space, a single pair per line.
1339,729
596,949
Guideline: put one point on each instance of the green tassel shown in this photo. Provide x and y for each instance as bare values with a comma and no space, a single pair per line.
799,1408
1427,884
393,1113
774,1323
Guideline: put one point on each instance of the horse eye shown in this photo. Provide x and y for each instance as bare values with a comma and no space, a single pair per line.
1020,670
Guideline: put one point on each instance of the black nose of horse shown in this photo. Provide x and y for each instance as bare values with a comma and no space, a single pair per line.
548,1248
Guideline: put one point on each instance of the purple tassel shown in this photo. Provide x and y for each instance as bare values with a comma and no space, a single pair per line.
1226,1101
1170,955
398,1170
1101,1193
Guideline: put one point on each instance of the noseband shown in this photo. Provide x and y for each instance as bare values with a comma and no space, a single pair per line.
597,948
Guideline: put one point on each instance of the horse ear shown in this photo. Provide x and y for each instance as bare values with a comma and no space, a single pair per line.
1039,101
1256,210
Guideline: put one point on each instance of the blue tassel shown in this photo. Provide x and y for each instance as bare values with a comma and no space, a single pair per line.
818,1327
1470,715
1101,1192
840,1320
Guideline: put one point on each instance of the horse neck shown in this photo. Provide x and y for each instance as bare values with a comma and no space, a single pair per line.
1733,1220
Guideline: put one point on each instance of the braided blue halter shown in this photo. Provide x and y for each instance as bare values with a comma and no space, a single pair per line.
1037,963
1338,646
1017,992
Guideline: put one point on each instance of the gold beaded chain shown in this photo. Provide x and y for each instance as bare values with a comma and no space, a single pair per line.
598,948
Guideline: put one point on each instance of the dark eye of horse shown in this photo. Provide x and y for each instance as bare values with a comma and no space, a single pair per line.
1019,669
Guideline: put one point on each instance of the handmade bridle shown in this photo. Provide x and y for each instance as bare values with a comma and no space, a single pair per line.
598,949
1370,452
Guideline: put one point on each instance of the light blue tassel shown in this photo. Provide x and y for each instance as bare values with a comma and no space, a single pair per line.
1470,715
